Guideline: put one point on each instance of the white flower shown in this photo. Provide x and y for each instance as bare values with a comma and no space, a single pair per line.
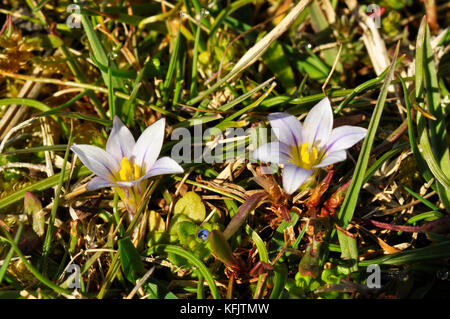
126,164
304,148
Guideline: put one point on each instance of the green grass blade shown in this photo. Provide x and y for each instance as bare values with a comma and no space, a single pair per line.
375,166
193,89
435,150
51,222
111,97
129,106
34,104
193,260
36,149
132,265
428,216
434,251
347,210
370,84
10,254
223,124
33,270
262,251
200,292
244,96
99,52
179,78
349,248
423,200
412,137
234,5
130,74
172,66
67,104
430,158
76,70
42,185
279,281
256,51
80,116
300,236
96,45
278,63
323,33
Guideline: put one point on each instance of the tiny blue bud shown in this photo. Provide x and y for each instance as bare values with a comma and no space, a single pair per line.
203,234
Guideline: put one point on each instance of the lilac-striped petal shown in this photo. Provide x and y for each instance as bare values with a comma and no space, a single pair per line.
148,146
129,183
318,124
98,182
97,160
287,128
165,165
331,158
274,152
120,142
344,137
294,177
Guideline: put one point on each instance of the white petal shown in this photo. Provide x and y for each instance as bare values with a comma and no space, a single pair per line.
148,146
318,124
274,152
165,165
129,183
294,177
287,128
97,160
120,142
344,137
98,182
332,158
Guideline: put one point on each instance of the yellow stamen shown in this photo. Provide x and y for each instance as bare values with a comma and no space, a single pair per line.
315,153
304,154
137,171
304,157
125,172
128,171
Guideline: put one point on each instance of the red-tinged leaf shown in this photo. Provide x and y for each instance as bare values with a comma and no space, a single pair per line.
309,264
33,208
222,250
250,204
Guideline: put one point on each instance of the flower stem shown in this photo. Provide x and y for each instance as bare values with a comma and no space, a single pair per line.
116,214
51,222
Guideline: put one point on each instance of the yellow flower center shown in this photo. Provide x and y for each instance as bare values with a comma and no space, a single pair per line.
128,172
304,156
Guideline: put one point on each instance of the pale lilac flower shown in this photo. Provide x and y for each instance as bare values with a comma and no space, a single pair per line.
304,148
126,165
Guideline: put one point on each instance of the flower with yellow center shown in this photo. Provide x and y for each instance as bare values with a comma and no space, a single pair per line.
127,172
126,164
304,148
304,156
